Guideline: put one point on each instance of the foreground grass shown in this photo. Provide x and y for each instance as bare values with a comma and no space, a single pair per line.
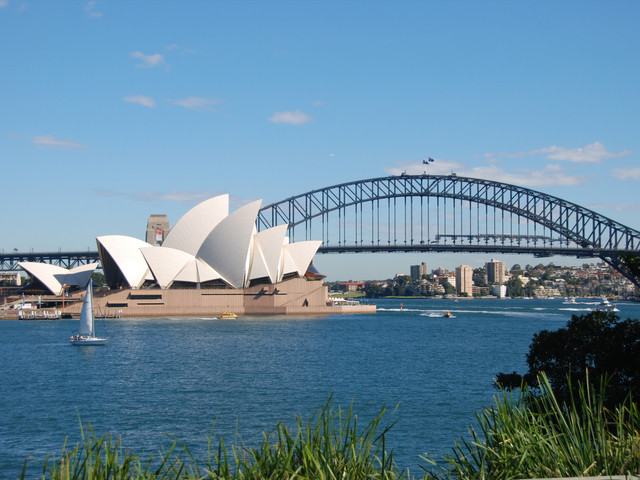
536,437
516,438
330,446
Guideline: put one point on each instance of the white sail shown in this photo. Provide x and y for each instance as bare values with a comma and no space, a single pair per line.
86,316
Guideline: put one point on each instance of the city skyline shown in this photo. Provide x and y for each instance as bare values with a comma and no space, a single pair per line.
115,111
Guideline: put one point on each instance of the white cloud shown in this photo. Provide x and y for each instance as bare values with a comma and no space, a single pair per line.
551,175
295,117
196,103
141,100
149,61
90,9
592,153
49,141
595,152
4,3
626,173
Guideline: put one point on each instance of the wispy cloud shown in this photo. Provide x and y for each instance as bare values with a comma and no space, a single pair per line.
619,207
626,173
49,141
184,197
295,117
595,152
174,47
592,153
627,207
90,8
196,103
141,100
551,175
149,61
4,3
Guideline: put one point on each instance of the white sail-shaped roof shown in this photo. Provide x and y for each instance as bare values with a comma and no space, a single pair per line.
189,233
54,277
79,275
298,256
125,252
46,274
196,268
267,253
165,263
227,248
170,264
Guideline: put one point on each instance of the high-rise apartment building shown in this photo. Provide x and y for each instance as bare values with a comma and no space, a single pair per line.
417,271
464,280
496,272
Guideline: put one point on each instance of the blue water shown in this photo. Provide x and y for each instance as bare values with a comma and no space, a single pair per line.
160,379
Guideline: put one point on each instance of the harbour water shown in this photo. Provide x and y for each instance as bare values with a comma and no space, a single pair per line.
162,379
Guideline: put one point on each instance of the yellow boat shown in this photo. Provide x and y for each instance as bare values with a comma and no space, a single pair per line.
226,315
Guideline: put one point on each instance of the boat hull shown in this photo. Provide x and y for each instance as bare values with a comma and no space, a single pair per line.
88,341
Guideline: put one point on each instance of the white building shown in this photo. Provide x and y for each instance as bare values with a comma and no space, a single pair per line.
207,248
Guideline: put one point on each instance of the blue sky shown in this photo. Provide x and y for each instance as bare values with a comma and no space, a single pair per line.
113,110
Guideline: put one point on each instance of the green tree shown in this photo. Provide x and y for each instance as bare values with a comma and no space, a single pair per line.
598,342
449,289
480,277
515,287
98,278
372,290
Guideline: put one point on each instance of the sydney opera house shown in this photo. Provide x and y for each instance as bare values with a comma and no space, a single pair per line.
210,262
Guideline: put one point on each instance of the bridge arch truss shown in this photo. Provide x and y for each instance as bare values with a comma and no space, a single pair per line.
443,213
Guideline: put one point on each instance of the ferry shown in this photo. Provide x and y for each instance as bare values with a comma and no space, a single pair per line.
605,306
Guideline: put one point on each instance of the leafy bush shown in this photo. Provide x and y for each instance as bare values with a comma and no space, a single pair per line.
550,440
598,342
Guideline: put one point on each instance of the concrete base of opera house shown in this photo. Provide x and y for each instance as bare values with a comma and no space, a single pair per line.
297,296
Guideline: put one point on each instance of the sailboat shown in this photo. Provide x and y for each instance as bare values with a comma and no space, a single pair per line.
85,335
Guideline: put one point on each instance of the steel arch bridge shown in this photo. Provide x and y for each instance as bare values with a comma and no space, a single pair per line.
447,213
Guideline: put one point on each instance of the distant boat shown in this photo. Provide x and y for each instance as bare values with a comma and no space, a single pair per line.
85,335
605,306
570,301
227,315
447,315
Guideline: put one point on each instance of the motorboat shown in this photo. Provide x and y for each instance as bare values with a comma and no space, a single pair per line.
605,306
227,315
86,334
447,315
570,301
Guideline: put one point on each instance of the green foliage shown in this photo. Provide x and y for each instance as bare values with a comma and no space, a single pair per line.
522,437
373,289
98,278
598,342
515,288
550,439
332,445
448,288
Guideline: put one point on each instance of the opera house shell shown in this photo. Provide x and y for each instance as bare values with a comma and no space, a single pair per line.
207,248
